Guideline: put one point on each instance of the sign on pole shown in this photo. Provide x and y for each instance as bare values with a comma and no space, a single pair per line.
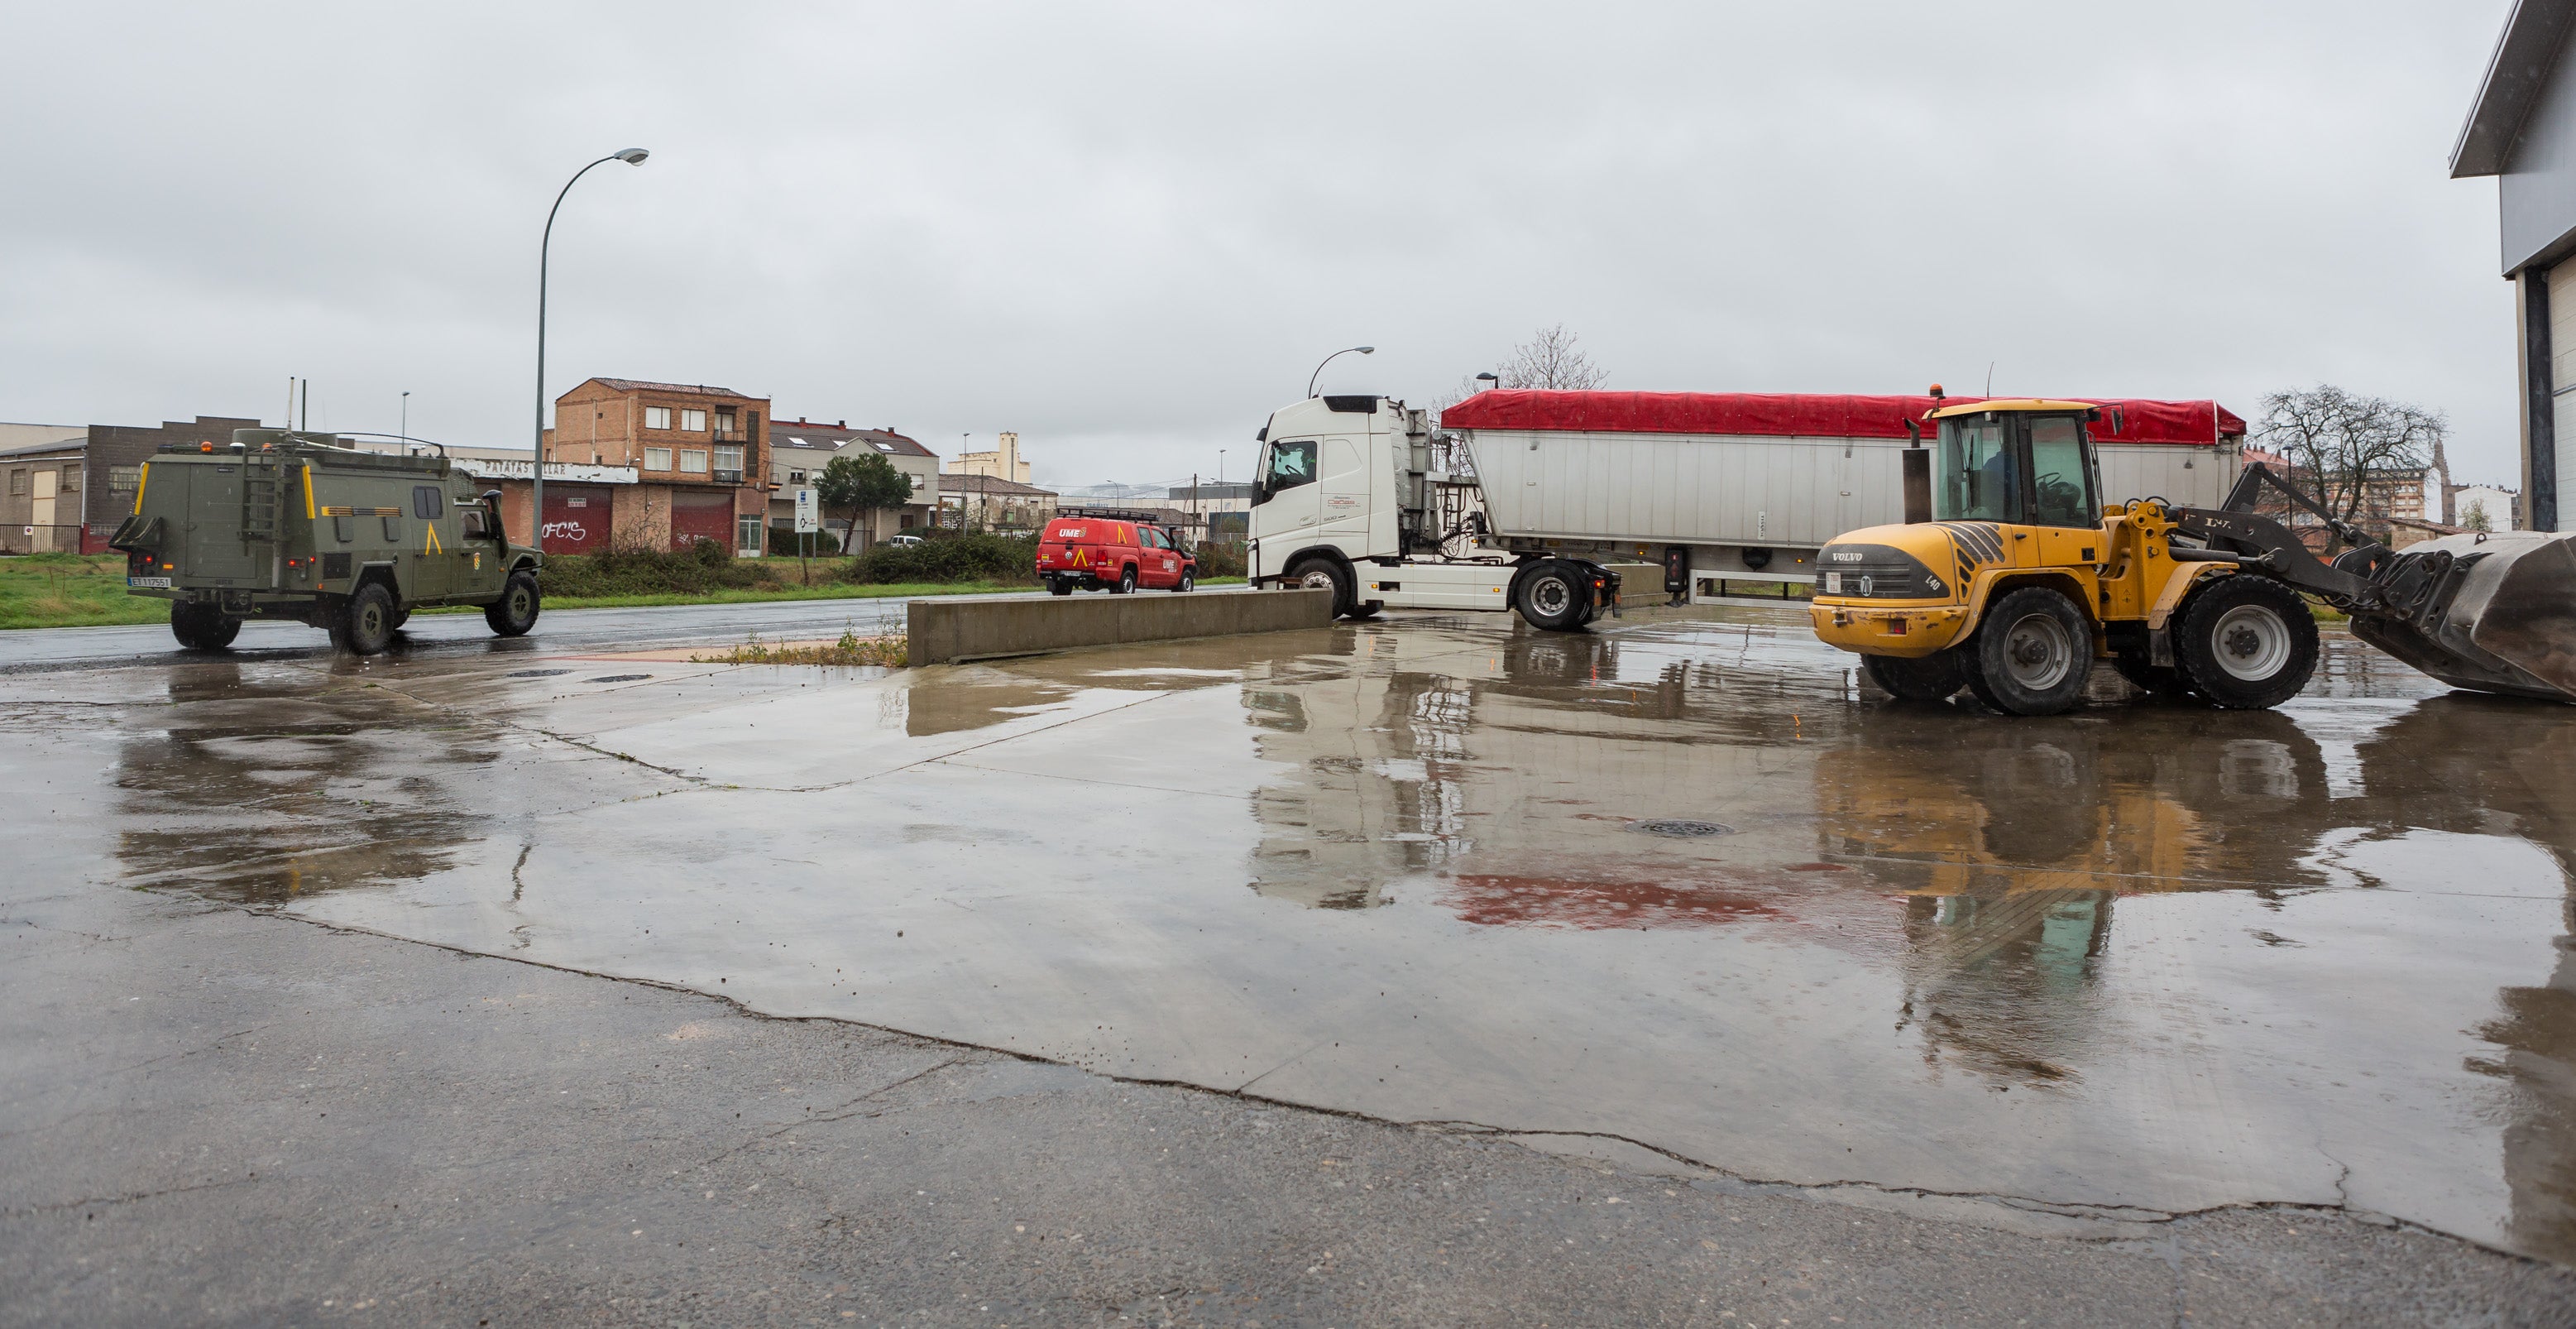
808,519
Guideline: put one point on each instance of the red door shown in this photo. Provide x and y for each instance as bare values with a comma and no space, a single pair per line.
1158,564
699,515
576,519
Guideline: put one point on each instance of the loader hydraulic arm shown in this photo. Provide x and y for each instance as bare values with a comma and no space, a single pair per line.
2268,546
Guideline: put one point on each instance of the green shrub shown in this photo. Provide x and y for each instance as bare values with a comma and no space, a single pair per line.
783,542
1009,559
1220,560
652,572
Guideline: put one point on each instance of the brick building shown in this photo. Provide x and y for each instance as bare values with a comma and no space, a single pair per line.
699,454
799,449
991,503
81,483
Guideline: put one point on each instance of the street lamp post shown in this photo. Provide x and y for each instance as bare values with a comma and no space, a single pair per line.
405,426
537,449
1319,369
1489,380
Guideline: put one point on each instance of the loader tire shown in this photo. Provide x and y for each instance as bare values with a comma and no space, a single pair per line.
2246,642
203,627
2032,654
1934,677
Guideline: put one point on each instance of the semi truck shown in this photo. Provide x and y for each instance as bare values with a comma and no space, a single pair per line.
289,525
1524,500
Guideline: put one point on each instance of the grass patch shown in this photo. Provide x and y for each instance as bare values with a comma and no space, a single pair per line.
851,649
71,590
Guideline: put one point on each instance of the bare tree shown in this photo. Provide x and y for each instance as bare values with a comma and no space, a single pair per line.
2349,448
1549,359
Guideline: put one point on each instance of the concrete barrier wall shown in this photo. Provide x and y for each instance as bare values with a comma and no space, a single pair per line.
971,628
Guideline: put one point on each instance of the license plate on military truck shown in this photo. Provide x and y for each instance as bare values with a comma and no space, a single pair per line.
149,583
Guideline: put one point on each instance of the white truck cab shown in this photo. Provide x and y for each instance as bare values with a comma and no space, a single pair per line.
1350,496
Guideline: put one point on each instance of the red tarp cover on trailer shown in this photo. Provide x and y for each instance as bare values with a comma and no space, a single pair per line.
1801,414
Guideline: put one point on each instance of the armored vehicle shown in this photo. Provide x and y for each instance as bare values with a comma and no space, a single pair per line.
292,526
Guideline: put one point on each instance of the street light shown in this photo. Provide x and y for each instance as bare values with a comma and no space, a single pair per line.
537,469
1488,378
1319,369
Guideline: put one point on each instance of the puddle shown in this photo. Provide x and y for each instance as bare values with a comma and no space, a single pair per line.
2149,956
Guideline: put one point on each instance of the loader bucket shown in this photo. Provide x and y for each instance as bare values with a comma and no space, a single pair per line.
2491,613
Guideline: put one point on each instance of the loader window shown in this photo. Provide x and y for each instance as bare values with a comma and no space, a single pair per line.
1291,463
2061,483
1979,479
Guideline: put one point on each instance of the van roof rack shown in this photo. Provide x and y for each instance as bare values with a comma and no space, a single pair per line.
1145,516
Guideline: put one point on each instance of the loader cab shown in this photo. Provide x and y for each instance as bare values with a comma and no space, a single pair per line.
2016,463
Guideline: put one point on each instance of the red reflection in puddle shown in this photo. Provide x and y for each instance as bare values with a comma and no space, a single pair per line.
1495,898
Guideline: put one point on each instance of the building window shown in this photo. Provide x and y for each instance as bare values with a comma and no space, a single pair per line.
693,422
657,417
657,459
746,528
795,477
71,479
18,482
693,461
724,421
124,479
728,456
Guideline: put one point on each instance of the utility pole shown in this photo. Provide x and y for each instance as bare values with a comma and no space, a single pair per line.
403,430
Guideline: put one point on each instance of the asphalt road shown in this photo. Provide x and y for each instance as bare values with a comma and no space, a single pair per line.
431,635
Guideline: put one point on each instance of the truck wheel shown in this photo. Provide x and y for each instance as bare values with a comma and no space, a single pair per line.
2247,642
203,627
1126,580
2032,654
1554,598
366,624
1189,582
516,611
401,616
1322,574
1934,677
1060,586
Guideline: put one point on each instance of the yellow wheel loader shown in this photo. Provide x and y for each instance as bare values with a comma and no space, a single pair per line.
2010,578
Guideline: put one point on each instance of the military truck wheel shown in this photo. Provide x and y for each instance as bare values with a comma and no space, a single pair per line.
1934,677
516,611
1321,574
202,627
2032,654
401,616
1553,597
366,625
2247,642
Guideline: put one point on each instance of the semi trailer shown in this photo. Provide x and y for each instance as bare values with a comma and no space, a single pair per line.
1524,500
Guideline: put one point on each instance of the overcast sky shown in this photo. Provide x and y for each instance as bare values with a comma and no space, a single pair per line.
1130,231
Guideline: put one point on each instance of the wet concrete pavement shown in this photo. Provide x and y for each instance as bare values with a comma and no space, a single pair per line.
1679,896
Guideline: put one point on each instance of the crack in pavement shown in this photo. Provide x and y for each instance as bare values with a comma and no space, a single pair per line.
130,1197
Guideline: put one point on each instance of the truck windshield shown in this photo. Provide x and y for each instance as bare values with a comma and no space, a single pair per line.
1979,480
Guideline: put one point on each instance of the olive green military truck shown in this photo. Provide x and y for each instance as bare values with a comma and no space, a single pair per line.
292,526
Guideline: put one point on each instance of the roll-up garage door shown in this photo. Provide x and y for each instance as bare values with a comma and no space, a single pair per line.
576,519
699,514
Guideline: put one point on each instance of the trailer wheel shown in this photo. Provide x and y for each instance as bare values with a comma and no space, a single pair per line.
2032,653
516,611
366,623
1323,574
2247,642
202,627
1553,596
1934,677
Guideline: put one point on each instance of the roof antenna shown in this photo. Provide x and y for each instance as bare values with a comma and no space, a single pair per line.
1990,378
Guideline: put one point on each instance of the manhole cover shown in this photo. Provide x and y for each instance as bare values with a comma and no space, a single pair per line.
619,678
537,673
1679,827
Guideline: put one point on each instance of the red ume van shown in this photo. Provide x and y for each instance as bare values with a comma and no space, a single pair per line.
1117,553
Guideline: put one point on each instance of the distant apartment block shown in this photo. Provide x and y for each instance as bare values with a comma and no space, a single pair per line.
699,454
799,449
